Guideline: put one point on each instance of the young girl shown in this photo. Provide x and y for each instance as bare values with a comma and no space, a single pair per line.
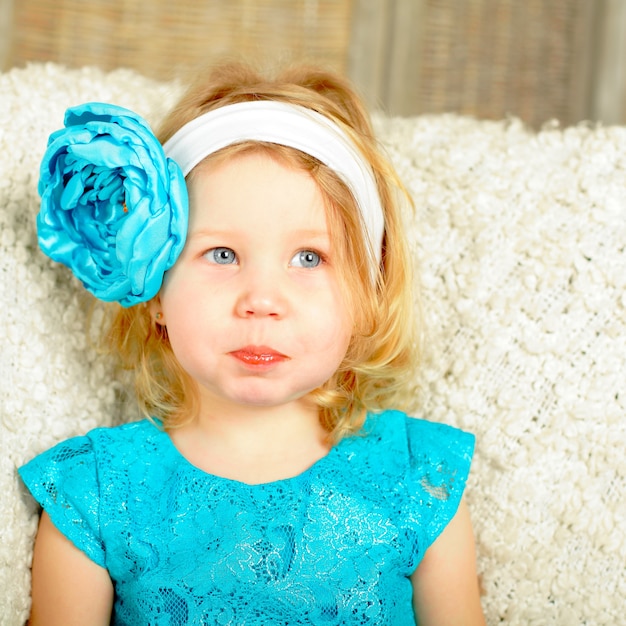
266,315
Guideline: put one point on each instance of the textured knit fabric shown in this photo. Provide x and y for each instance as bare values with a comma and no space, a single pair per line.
333,545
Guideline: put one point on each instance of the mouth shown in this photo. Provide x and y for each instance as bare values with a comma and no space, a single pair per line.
258,357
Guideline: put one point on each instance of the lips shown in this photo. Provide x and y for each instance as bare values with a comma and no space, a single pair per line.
258,356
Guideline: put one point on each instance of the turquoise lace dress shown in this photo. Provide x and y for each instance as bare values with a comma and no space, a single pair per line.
334,545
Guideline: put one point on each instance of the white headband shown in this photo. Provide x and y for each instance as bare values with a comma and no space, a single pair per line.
286,125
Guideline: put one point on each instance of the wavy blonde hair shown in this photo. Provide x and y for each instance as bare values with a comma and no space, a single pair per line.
384,348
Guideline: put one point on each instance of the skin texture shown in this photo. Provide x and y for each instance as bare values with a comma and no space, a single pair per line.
445,586
255,315
69,589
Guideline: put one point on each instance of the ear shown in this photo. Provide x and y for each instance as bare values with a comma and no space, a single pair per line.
156,312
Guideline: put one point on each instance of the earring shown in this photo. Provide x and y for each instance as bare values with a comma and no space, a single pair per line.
158,316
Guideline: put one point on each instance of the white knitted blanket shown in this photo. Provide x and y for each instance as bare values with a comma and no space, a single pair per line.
520,239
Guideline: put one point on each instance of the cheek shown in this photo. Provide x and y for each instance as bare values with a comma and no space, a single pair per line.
182,313
330,334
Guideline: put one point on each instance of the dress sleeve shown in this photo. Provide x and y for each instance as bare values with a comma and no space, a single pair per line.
439,462
64,481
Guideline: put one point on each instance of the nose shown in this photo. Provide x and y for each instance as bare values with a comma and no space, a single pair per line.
262,295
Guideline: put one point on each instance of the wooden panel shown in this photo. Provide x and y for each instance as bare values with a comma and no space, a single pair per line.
407,40
368,60
607,93
6,32
486,58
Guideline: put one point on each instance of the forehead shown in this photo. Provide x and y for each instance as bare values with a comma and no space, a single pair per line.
342,215
252,187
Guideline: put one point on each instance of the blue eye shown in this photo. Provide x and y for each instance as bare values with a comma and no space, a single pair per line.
306,259
221,256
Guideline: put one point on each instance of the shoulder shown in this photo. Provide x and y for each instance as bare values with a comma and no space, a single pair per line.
417,440
394,445
77,466
80,452
83,449
428,462
71,480
135,440
132,432
433,443
101,456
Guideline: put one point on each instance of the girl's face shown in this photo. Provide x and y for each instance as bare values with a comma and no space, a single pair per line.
253,307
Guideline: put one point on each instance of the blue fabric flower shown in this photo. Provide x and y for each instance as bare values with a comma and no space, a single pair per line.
114,208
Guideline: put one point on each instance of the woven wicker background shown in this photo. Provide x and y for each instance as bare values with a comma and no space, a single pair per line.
163,39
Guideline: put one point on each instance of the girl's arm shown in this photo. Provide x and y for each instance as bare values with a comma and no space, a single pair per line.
445,585
69,589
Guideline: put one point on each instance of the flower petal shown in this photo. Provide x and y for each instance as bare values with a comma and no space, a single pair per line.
114,209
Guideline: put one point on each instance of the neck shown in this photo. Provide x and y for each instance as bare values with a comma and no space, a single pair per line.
254,444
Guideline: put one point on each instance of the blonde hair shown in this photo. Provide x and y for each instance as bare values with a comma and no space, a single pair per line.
383,349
